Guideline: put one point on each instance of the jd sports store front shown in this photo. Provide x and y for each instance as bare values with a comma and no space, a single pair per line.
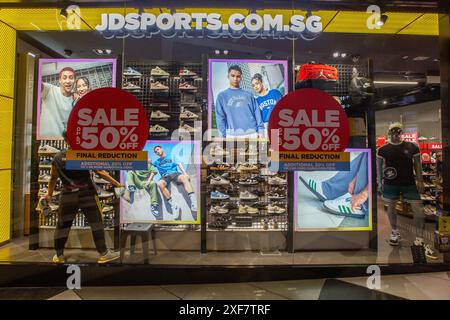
206,203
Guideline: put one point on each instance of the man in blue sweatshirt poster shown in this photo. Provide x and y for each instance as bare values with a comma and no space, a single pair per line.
237,112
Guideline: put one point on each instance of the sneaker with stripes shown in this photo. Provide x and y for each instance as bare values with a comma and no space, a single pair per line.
314,186
342,206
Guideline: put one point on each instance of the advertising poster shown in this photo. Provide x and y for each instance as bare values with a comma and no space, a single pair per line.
61,83
335,201
169,190
425,156
242,95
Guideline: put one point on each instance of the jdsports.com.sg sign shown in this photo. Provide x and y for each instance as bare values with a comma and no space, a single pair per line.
211,25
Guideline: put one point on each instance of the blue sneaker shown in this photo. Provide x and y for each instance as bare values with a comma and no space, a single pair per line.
216,195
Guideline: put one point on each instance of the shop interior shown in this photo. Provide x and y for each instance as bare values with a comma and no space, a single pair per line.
406,82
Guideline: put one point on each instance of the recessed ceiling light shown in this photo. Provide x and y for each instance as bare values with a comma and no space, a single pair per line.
225,52
405,57
436,60
420,58
217,51
102,52
384,101
343,55
336,54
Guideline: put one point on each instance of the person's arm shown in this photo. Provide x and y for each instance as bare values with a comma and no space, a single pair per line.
52,182
258,117
419,173
221,119
45,89
104,175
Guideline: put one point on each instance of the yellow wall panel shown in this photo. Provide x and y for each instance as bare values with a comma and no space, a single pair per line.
6,130
428,24
5,205
92,16
7,60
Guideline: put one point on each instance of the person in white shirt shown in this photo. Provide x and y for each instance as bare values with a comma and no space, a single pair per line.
56,104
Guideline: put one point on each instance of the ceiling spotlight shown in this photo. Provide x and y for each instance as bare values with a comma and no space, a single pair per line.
335,54
217,52
343,55
225,52
102,52
382,20
405,57
385,102
436,60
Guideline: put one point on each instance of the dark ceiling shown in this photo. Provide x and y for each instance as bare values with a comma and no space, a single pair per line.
390,53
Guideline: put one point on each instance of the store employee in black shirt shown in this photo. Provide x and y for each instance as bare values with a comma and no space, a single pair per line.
397,162
78,193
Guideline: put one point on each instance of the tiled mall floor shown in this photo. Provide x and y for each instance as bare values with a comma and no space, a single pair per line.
428,286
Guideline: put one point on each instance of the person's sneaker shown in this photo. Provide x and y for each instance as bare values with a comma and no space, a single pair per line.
46,149
175,211
131,73
186,73
186,86
429,252
158,129
158,72
58,259
277,181
154,208
342,206
188,115
158,86
248,182
275,209
246,195
108,257
104,194
217,195
128,86
315,187
188,128
394,238
219,181
243,209
159,115
193,204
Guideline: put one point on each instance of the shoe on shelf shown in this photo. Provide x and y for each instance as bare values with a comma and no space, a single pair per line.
219,210
46,162
275,209
108,257
245,209
58,259
188,115
230,205
217,195
158,72
342,207
274,195
247,167
159,115
107,209
429,252
128,86
260,205
185,72
158,129
44,178
99,180
246,195
248,182
217,150
186,86
131,73
188,128
219,181
267,172
422,138
48,149
104,194
277,181
315,187
158,86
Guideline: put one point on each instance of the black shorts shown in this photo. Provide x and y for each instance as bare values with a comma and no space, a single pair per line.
171,177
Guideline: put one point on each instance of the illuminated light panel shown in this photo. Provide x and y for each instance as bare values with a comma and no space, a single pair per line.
428,24
356,22
7,60
36,19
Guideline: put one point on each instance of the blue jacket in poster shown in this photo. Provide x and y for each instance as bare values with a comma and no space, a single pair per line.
267,103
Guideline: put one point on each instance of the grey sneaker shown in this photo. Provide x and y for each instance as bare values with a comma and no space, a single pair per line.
108,257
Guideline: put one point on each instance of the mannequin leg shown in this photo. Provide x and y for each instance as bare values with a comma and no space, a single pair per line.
392,214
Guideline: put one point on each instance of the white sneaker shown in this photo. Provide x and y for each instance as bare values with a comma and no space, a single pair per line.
218,181
131,73
48,149
277,181
429,252
159,115
108,257
342,206
314,186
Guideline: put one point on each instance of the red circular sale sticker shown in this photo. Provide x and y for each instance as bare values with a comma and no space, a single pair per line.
108,119
309,120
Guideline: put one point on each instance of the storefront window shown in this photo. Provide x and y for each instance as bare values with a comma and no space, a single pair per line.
209,80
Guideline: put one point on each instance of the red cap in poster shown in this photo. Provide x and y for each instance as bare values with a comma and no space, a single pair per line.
108,119
309,120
